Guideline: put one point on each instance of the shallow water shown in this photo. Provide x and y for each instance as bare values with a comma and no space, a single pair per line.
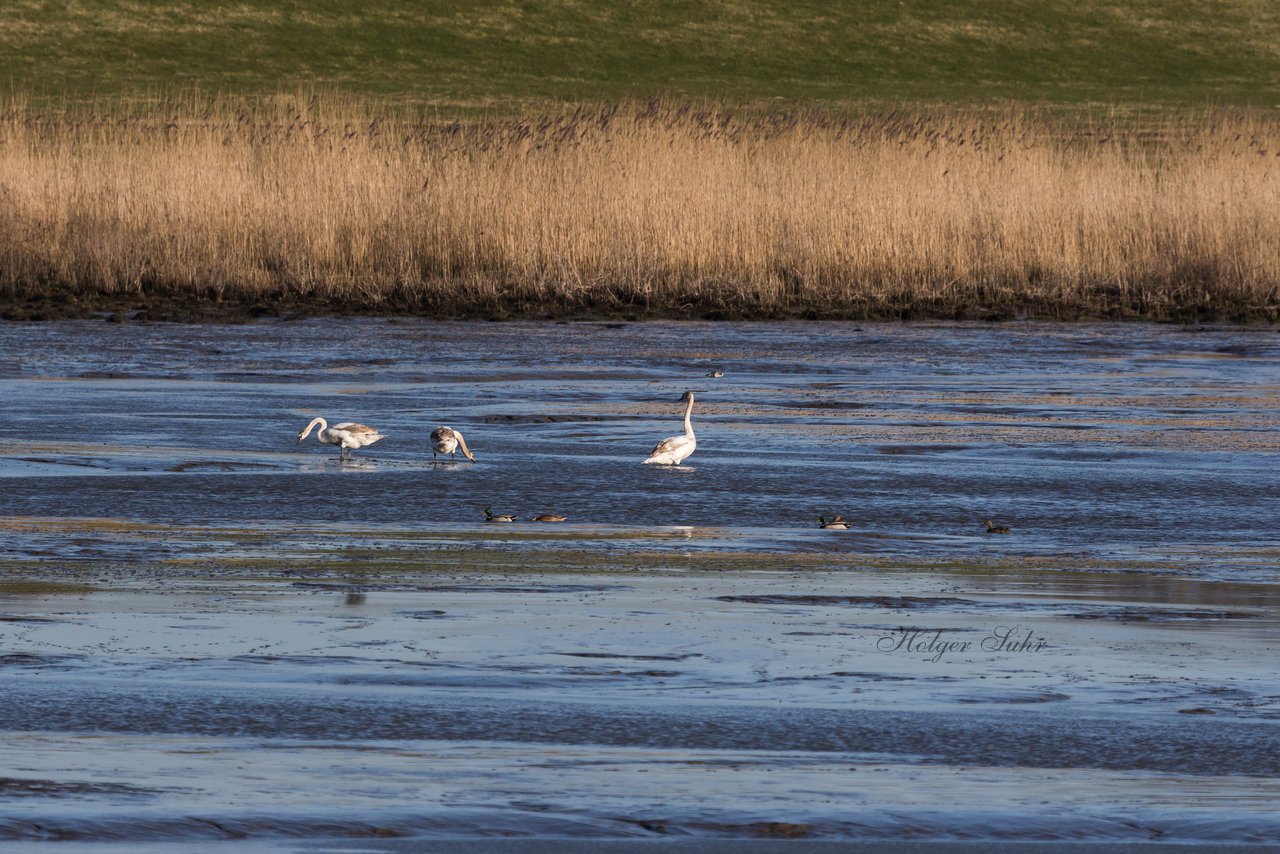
209,631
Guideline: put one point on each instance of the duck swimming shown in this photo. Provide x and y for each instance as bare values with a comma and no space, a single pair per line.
490,516
548,517
835,523
993,528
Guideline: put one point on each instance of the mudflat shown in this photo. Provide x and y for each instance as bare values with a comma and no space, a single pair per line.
210,632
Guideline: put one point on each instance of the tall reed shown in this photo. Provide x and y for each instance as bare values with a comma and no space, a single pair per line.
646,208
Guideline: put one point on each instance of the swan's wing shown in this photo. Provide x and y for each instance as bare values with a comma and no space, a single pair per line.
667,446
355,429
361,433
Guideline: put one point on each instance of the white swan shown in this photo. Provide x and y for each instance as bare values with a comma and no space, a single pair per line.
669,452
348,435
445,440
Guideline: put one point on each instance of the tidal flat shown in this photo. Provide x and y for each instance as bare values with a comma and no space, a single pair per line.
209,631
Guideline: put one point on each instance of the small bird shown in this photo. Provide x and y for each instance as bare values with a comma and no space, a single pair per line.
490,516
993,528
548,517
715,375
670,452
445,440
347,436
835,523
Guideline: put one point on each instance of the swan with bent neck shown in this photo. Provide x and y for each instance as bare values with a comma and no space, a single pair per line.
347,436
446,440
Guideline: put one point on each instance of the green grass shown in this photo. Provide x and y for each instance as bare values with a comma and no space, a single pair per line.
507,54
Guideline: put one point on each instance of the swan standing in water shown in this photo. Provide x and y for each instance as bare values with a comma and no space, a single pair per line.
669,452
448,441
348,435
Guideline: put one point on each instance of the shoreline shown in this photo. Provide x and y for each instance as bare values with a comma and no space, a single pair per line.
177,307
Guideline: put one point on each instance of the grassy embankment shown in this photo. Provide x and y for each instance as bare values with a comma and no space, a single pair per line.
477,54
376,200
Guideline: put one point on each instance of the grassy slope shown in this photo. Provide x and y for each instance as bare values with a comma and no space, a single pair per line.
476,52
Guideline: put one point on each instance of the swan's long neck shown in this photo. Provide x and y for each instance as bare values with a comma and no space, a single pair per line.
324,425
688,423
462,443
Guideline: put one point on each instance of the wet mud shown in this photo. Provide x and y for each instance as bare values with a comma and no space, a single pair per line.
211,632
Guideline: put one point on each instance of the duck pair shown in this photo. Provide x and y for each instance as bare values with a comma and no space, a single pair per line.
490,516
838,524
349,436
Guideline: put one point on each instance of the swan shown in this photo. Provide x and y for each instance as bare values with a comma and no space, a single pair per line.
835,523
669,452
445,440
490,516
348,435
993,528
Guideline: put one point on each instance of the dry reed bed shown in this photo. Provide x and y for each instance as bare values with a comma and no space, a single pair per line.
643,208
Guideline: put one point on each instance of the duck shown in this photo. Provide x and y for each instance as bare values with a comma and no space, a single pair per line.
490,516
835,523
548,517
715,375
446,440
672,451
347,436
993,528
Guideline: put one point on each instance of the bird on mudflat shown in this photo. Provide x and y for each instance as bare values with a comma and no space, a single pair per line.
347,436
715,375
445,440
670,452
548,517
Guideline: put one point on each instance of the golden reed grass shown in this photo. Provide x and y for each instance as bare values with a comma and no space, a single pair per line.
644,208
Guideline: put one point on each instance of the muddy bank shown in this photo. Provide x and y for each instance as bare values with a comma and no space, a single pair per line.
177,305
